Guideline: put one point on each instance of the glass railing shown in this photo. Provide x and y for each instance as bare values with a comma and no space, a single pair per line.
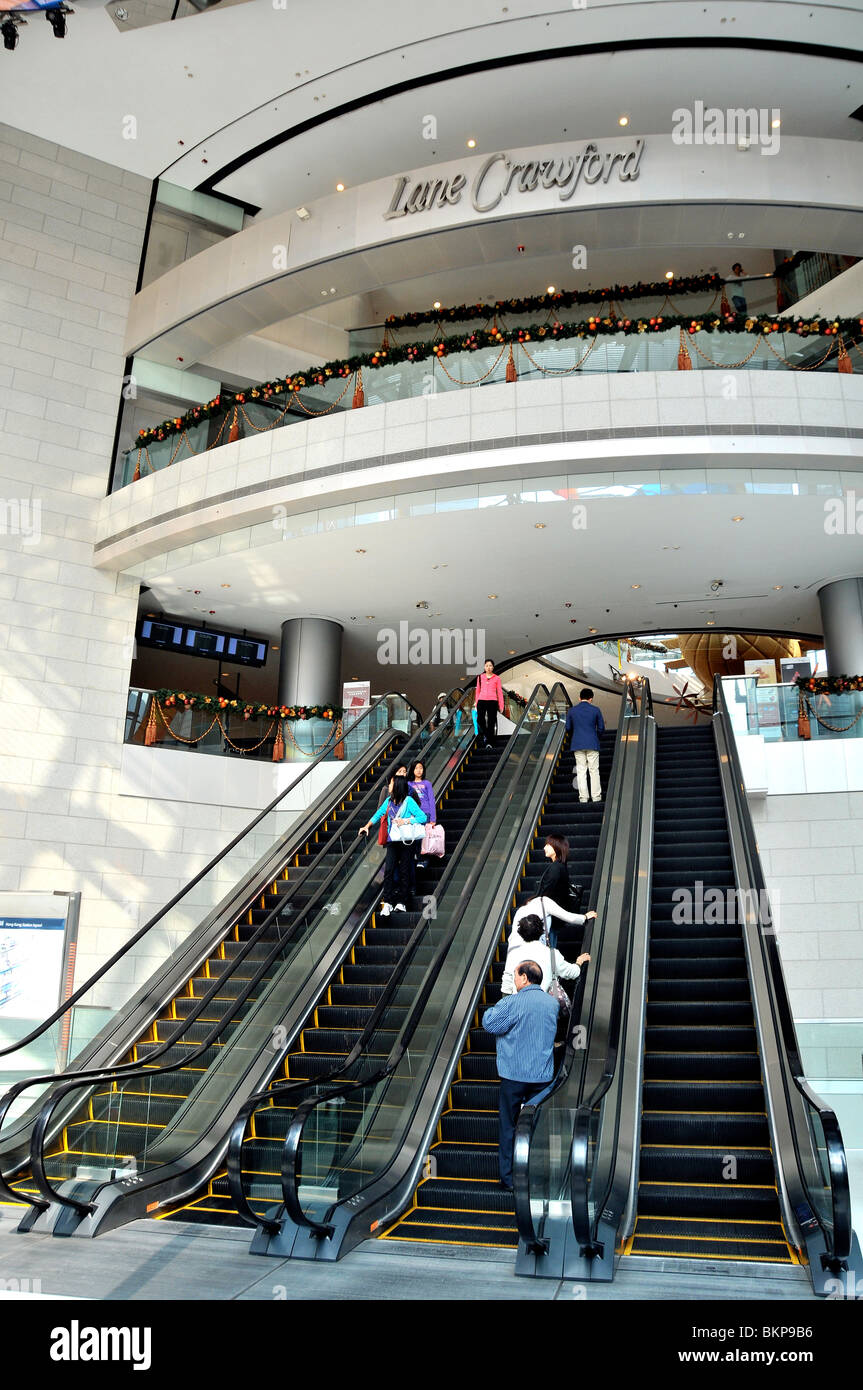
348,1132
655,351
223,888
773,711
133,1120
543,1158
152,723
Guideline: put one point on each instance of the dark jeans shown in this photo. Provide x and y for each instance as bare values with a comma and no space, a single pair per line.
397,872
486,719
513,1095
739,303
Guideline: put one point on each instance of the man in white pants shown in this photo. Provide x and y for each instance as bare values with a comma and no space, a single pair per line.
584,724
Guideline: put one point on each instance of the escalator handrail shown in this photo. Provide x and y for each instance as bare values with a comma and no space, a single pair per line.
123,950
290,1176
531,1112
132,1070
580,1180
840,1238
261,1098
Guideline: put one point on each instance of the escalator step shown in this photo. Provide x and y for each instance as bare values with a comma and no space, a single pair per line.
672,1127
748,1167
710,1201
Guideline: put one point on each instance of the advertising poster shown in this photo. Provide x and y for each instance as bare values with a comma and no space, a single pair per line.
32,935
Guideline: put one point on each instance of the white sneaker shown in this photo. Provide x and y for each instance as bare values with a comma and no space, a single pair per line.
400,907
386,909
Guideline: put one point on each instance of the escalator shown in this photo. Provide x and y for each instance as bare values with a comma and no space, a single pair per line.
687,1129
281,919
459,1200
366,1144
334,1025
707,1181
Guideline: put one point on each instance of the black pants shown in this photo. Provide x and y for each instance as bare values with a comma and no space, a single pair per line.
397,872
513,1095
486,719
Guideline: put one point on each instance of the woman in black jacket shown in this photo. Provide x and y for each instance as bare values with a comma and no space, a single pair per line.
554,897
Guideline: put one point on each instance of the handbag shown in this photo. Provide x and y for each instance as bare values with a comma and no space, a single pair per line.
557,991
804,727
382,830
406,834
434,841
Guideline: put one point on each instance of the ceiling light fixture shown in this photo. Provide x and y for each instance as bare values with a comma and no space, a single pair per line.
340,188
635,586
774,125
511,651
471,144
623,120
436,304
593,629
492,595
551,289
369,617
669,274
303,214
777,587
539,526
737,518
360,552
226,586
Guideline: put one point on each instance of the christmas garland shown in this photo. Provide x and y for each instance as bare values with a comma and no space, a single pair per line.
171,699
561,299
829,685
494,336
516,699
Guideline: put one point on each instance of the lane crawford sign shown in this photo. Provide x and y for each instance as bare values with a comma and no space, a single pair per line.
498,176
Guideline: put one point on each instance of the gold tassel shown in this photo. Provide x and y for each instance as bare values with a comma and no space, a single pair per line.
279,745
724,306
359,393
684,361
150,731
136,476
844,364
511,373
339,750
234,432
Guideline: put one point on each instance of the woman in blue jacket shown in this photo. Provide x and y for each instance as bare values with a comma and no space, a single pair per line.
402,813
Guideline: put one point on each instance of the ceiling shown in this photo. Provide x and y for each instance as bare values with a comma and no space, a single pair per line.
208,88
551,585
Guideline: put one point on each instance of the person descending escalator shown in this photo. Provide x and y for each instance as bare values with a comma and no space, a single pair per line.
403,822
554,898
489,699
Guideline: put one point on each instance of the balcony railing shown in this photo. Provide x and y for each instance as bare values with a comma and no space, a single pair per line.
654,351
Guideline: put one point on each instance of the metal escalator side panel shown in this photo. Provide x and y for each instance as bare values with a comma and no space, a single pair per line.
807,1150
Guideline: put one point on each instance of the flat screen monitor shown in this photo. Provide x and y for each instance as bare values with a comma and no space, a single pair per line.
154,633
202,642
247,651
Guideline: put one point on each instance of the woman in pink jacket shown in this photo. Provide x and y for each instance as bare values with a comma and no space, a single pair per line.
489,699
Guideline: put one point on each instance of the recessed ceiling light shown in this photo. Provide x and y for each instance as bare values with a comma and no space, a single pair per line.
711,622
360,552
436,304
274,649
492,595
669,274
539,526
551,289
332,289
511,651
340,188
226,586
471,144
593,629
774,125
369,617
623,120
635,586
737,518
777,587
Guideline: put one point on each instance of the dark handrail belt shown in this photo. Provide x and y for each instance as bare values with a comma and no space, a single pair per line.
292,1142
131,1071
776,1026
332,739
286,1089
530,1113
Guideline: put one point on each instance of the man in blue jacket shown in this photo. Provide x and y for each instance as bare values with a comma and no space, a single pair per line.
524,1024
584,724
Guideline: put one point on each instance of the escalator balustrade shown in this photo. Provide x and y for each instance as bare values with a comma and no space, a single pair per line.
707,1186
459,1200
339,1017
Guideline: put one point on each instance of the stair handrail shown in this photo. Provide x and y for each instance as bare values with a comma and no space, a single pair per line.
839,1237
293,1139
531,1113
130,1071
332,739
